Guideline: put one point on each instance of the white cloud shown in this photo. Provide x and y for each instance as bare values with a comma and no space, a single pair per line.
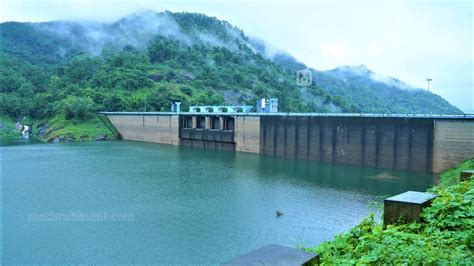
337,51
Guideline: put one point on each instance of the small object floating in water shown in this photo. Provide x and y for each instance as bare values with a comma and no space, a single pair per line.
279,213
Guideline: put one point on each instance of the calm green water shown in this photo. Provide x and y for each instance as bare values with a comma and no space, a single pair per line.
129,202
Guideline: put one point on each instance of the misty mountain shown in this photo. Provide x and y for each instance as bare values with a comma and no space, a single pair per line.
192,57
375,93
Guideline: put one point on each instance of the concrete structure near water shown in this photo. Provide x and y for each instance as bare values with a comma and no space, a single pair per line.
406,207
276,255
466,175
424,143
149,128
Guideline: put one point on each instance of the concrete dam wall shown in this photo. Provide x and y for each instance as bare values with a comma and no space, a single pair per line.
387,143
150,128
416,143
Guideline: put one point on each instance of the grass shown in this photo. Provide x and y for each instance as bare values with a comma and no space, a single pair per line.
79,130
59,127
451,176
8,126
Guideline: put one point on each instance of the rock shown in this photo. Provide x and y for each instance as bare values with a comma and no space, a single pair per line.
55,140
67,138
102,137
42,129
187,75
156,77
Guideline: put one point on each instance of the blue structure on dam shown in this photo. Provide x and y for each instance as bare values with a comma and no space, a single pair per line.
220,109
267,105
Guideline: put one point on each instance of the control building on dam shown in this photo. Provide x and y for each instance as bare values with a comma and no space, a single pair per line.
425,143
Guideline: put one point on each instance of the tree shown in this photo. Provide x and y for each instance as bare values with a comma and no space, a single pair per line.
77,107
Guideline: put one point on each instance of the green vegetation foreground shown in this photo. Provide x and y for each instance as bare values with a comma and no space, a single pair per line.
446,235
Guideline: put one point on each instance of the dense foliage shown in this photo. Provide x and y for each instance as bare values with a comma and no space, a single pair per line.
446,235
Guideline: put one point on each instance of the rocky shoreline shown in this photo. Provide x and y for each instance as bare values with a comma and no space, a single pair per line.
51,132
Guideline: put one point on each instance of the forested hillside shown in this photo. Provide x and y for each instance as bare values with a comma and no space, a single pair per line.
374,93
72,69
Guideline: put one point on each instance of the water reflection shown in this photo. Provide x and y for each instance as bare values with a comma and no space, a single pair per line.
375,181
17,140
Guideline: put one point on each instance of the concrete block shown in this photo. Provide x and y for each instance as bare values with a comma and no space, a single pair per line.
466,175
276,255
406,206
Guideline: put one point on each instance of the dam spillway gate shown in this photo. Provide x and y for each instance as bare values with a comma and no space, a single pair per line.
212,132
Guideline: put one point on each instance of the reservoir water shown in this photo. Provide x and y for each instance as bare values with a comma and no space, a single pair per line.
131,202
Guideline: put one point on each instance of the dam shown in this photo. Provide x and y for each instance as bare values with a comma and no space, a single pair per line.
421,143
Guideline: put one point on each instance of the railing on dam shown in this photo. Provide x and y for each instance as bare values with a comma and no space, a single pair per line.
374,115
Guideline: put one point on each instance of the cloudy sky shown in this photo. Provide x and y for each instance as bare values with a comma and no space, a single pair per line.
409,40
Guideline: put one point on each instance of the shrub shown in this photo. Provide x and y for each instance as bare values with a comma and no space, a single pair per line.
445,238
451,176
77,107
